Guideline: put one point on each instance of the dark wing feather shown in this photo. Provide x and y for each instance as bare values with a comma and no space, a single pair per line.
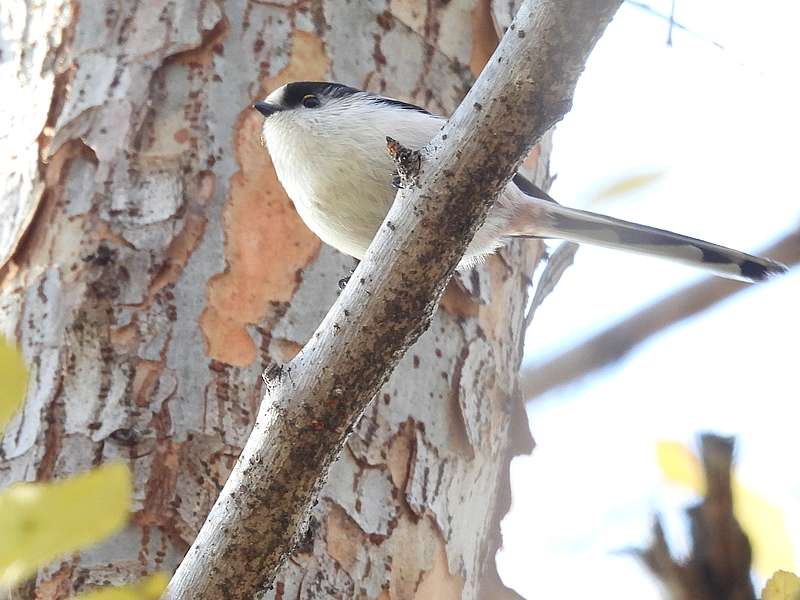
527,187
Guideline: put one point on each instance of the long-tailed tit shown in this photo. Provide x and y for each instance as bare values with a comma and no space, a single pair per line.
328,145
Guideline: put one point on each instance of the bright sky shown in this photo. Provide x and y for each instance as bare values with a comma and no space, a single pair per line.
723,127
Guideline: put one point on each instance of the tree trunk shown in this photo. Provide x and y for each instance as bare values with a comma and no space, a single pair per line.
152,267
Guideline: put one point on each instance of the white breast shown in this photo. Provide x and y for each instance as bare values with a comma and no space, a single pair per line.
335,167
336,171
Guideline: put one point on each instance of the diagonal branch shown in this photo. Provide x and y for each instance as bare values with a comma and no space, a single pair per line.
618,340
312,403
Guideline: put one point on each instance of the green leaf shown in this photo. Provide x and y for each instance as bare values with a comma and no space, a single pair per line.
13,382
149,588
41,521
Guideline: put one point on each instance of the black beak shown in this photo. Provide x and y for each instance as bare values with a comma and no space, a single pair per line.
266,109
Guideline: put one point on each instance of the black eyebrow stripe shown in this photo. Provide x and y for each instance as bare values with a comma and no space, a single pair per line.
296,91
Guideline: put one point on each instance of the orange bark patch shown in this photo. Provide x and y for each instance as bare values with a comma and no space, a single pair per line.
411,12
400,450
493,317
532,160
419,565
438,583
182,136
284,350
212,43
42,225
158,508
58,585
457,302
126,337
484,36
178,253
183,244
344,538
308,61
147,372
266,242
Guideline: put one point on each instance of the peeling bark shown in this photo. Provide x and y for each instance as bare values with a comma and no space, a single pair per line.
312,404
152,268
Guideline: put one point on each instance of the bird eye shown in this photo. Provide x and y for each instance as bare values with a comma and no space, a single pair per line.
310,101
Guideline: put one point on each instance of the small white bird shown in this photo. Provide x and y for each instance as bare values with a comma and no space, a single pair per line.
328,145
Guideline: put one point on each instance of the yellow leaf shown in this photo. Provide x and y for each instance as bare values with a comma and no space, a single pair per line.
13,382
41,521
764,525
680,466
782,586
628,185
149,588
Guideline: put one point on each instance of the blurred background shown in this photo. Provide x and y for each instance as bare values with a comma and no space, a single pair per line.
702,113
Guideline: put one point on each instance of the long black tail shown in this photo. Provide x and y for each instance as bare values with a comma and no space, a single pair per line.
556,221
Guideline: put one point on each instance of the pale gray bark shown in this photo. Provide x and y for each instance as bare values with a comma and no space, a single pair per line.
312,403
152,268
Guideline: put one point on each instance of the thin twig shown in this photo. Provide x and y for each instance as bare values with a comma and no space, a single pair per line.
673,24
558,262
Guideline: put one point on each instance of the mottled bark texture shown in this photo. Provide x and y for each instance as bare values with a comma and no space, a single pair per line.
151,267
312,403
